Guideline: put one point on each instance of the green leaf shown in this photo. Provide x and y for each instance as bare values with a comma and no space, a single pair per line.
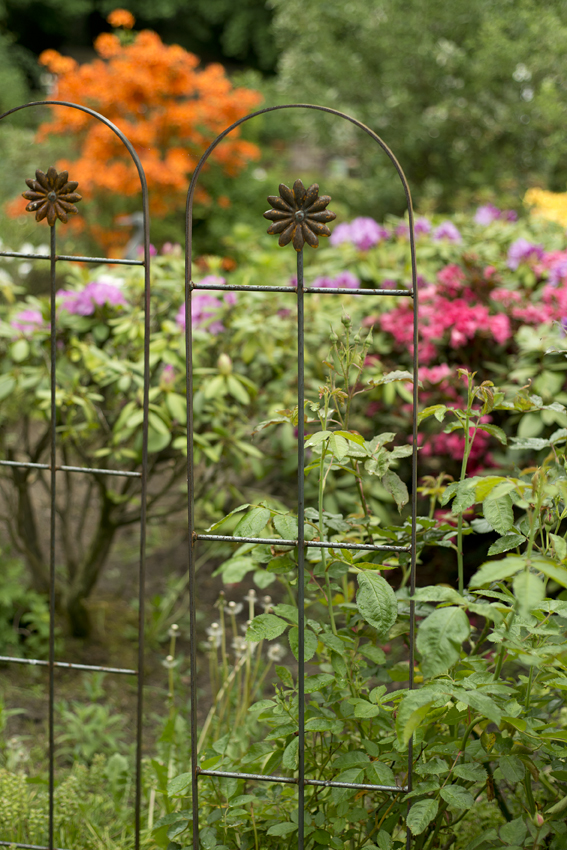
413,709
438,593
309,646
318,682
477,700
286,526
282,829
390,377
525,443
265,627
7,384
494,431
177,786
338,446
317,438
290,756
497,570
529,591
436,410
551,570
421,814
499,513
289,612
439,639
374,653
353,438
470,772
514,832
20,350
224,519
235,569
365,710
396,487
512,768
377,602
252,523
504,544
236,390
457,796
177,407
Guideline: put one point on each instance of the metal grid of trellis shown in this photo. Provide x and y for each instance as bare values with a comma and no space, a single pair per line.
301,780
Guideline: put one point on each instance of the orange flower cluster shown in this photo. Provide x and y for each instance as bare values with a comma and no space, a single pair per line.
121,18
168,108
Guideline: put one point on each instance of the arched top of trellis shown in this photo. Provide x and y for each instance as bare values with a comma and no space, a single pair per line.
328,109
125,141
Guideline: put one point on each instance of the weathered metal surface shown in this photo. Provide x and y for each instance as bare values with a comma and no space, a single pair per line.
52,196
299,215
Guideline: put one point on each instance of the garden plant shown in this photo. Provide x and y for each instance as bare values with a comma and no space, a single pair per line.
487,715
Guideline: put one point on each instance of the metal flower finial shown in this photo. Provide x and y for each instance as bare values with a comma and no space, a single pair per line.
52,196
299,215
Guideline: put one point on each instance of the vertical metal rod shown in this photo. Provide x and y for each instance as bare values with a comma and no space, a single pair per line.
53,477
143,524
413,490
300,542
192,542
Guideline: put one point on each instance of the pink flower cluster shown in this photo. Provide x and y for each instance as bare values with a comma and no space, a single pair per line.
362,232
85,301
453,446
204,308
344,279
28,321
488,213
442,319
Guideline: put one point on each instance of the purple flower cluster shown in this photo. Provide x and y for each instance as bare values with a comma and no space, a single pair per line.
488,213
204,308
85,301
522,251
345,279
448,231
361,232
28,321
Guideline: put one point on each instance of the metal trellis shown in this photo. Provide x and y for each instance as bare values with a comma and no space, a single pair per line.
53,258
194,536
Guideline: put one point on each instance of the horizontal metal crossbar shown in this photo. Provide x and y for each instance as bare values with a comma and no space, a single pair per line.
94,668
92,471
332,290
326,783
317,544
72,259
28,846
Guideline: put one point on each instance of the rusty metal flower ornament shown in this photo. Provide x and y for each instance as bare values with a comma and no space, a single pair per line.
52,196
299,215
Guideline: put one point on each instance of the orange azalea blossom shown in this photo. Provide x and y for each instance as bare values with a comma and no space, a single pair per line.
121,18
169,108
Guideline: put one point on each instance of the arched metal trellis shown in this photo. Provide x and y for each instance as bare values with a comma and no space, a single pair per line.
194,536
54,468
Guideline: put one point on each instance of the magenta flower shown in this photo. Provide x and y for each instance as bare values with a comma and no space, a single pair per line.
422,226
85,301
558,273
362,232
27,321
346,279
486,214
340,234
447,230
521,251
204,308
140,250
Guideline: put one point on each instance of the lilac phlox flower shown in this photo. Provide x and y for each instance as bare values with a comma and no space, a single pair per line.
204,307
509,215
340,234
167,375
171,248
362,232
447,230
27,321
486,214
345,279
422,226
521,251
388,284
558,273
402,230
96,294
140,250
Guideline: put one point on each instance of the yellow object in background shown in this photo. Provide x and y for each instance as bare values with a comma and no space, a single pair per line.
549,205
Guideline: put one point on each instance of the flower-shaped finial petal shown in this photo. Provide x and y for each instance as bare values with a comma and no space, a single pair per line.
299,215
52,196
